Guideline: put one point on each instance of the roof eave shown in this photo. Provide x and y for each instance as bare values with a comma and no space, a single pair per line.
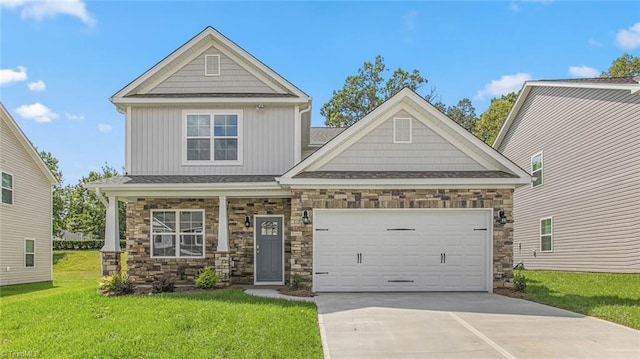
128,101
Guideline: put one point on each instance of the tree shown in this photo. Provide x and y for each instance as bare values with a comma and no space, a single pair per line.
59,198
363,92
463,113
624,66
87,214
490,122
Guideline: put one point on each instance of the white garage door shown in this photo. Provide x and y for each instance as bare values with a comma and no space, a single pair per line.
401,250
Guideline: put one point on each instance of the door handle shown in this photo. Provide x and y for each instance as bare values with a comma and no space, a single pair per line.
441,258
257,248
444,255
360,257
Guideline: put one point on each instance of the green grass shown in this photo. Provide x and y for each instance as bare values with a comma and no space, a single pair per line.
69,319
610,296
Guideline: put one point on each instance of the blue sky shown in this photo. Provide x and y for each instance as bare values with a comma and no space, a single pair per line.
60,61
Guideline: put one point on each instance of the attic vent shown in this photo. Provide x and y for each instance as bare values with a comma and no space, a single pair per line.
401,130
212,65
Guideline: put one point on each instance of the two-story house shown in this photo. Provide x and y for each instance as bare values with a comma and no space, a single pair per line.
223,170
579,138
25,209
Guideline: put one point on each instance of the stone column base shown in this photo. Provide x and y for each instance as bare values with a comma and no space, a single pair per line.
222,264
110,263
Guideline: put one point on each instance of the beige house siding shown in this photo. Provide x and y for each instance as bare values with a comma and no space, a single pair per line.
157,142
28,217
589,138
233,78
377,151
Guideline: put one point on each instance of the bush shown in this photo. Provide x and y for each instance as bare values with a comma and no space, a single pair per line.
116,285
519,283
207,278
296,281
163,285
85,244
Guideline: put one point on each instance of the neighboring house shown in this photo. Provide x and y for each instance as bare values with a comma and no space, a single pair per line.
580,139
405,199
25,210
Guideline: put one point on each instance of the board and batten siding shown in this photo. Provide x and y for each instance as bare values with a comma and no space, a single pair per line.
427,151
157,142
191,78
28,217
591,188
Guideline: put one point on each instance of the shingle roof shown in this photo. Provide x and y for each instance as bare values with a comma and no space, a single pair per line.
322,135
177,179
600,80
212,94
403,174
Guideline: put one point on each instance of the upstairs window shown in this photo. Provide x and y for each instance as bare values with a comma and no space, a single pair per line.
213,137
401,130
536,169
7,188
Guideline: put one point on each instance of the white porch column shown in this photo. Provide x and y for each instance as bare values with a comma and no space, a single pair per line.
111,228
223,226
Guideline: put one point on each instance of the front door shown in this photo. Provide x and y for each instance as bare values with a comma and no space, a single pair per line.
269,250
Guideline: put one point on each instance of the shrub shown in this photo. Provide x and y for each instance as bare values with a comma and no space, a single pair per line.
163,285
116,285
519,283
207,278
85,244
296,281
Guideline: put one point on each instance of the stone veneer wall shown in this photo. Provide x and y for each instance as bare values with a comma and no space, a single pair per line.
241,238
308,199
110,263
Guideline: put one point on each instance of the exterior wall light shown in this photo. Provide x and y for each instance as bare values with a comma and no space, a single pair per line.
502,217
305,217
247,221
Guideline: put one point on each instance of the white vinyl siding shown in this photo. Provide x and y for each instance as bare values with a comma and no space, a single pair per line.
376,151
177,234
537,169
546,234
213,137
591,171
7,188
28,217
29,252
158,142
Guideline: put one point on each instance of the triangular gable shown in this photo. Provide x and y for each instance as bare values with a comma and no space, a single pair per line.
194,48
407,101
24,141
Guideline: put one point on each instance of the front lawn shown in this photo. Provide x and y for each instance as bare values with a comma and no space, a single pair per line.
610,296
69,319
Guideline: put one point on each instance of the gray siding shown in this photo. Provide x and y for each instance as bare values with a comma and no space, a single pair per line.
157,142
591,179
377,152
233,78
28,217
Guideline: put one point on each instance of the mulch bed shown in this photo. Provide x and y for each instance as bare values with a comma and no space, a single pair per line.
510,292
301,292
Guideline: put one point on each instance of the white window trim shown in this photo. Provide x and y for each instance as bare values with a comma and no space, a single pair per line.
550,234
177,233
410,129
541,154
24,257
211,161
13,188
206,62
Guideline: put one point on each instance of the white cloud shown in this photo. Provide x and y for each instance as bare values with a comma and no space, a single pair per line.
409,21
506,84
73,117
513,6
104,128
9,75
629,38
37,86
594,43
41,9
37,112
583,71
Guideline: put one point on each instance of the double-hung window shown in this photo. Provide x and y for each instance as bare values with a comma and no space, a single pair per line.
213,137
536,169
177,233
546,234
7,188
29,252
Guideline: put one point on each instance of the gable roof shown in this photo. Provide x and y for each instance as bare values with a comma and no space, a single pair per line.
24,141
421,110
209,36
605,83
320,135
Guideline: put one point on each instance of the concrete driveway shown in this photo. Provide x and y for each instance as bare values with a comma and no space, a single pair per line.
463,325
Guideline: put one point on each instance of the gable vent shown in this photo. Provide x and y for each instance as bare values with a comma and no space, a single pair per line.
401,130
212,65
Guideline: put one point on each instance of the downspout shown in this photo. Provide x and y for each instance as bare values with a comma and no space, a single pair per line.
298,133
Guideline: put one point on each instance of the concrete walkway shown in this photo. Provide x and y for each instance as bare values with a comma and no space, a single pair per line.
463,325
273,293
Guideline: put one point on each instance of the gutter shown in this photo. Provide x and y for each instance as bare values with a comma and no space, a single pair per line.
101,197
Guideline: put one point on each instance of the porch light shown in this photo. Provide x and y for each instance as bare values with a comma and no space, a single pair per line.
305,217
247,221
502,217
